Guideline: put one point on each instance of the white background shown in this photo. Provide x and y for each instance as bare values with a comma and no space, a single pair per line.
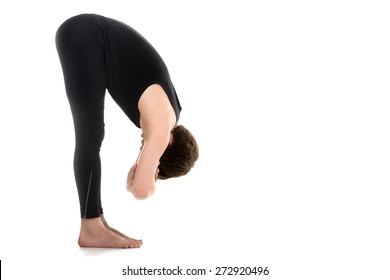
289,101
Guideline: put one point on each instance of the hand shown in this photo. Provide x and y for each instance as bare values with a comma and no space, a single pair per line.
130,178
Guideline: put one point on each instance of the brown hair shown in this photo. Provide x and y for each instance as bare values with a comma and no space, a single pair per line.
180,156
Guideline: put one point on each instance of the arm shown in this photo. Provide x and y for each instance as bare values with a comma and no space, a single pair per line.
157,120
130,177
131,174
143,174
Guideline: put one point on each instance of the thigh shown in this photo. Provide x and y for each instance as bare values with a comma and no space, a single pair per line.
82,60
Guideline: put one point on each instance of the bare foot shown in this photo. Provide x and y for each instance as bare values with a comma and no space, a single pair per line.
94,234
134,243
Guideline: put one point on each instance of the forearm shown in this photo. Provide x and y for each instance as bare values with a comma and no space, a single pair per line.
143,175
144,186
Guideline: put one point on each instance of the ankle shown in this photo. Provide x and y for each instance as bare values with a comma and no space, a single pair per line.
91,224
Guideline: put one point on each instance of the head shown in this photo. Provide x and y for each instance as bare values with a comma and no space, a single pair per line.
180,156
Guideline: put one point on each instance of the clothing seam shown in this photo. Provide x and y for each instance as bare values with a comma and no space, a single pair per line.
86,200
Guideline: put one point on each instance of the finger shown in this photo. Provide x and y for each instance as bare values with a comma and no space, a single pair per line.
133,168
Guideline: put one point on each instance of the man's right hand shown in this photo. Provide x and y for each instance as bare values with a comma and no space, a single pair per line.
130,178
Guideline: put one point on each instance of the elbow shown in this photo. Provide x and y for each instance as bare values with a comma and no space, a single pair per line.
142,194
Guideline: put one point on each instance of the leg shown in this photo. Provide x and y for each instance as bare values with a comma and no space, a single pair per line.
82,61
85,83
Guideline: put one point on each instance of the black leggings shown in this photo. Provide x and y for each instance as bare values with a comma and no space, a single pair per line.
82,61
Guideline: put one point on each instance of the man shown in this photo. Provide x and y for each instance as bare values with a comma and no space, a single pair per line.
99,53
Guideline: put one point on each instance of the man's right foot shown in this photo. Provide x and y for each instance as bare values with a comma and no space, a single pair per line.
94,234
134,243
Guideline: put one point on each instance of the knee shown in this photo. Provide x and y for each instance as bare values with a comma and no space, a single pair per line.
89,139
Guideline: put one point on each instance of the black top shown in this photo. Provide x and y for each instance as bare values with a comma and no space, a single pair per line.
132,65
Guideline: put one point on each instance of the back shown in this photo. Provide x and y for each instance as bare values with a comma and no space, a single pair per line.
132,65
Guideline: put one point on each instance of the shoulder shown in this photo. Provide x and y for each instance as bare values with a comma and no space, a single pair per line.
151,95
155,108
